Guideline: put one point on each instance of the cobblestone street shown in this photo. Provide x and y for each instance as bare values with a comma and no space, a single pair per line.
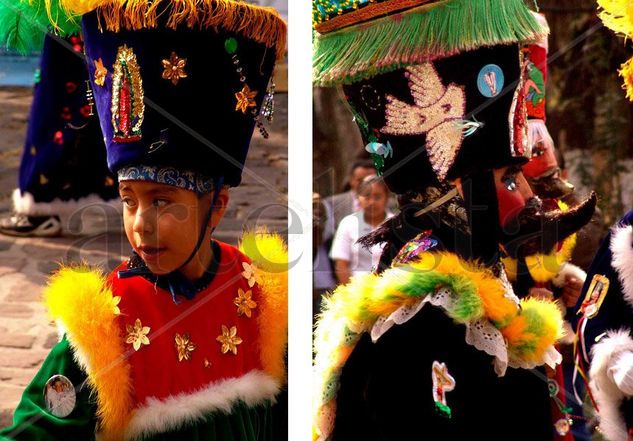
26,335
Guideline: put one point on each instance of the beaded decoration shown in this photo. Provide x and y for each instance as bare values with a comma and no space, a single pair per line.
518,119
437,112
128,108
245,97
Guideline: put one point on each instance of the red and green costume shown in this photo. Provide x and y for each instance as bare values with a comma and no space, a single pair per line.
145,367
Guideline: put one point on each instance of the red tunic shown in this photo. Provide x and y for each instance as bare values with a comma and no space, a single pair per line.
156,370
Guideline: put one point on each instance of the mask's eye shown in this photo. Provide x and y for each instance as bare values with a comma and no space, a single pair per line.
510,182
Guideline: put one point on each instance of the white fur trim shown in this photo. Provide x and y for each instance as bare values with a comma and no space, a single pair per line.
568,269
608,396
622,260
24,203
157,416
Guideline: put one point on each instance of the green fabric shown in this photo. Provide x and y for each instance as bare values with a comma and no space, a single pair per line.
32,421
389,43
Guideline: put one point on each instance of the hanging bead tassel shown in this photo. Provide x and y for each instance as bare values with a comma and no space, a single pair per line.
268,106
90,97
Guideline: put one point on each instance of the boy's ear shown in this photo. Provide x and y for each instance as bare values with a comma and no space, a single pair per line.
220,207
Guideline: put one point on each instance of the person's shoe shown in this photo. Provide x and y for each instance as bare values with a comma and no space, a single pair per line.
22,225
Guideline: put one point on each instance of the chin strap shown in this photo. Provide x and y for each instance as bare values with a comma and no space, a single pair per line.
175,282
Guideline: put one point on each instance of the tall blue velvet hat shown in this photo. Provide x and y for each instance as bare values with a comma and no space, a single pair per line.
179,85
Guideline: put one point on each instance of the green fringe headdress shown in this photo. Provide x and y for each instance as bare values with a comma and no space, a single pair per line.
358,39
24,23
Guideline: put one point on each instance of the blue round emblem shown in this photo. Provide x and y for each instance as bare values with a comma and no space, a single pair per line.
490,80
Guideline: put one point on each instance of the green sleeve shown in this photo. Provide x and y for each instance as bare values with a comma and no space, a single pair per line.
31,420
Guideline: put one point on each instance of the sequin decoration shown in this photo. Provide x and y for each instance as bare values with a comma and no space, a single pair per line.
250,274
90,98
518,119
442,382
229,340
245,99
244,102
174,68
128,108
563,426
370,97
268,106
184,346
378,148
100,72
207,363
244,302
416,246
436,113
137,334
115,305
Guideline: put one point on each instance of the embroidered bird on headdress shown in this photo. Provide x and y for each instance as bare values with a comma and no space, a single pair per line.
437,112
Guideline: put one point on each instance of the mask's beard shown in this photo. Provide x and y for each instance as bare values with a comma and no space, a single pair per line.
551,185
537,230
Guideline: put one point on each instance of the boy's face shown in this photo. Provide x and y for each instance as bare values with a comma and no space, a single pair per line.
162,222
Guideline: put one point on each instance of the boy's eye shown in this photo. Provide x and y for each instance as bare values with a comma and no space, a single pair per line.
128,202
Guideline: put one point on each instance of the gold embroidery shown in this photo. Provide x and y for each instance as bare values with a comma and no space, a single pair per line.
174,68
229,340
137,334
100,72
436,113
184,346
245,99
244,302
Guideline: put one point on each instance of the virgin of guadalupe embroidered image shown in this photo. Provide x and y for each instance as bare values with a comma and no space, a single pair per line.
128,108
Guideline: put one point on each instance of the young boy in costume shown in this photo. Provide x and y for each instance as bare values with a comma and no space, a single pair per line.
436,345
186,339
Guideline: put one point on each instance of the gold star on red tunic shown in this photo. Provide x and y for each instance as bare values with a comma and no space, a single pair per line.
244,302
137,334
184,346
245,99
229,340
